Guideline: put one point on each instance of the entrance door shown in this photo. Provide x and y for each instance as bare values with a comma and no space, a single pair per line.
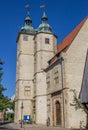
58,113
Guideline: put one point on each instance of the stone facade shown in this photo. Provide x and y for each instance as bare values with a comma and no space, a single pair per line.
33,52
70,73
74,66
24,76
43,52
45,76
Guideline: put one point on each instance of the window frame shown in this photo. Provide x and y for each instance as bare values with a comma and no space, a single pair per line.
47,40
25,38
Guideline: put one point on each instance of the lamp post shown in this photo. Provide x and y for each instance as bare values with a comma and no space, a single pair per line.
21,112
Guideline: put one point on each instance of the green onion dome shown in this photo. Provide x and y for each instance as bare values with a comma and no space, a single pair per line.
27,28
44,27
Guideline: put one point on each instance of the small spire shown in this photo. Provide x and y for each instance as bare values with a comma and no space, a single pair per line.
28,20
28,8
27,28
44,17
44,27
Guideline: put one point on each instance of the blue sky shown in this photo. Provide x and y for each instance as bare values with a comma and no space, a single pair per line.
63,16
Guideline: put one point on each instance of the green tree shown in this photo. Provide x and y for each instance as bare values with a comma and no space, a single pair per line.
1,74
78,105
5,102
76,102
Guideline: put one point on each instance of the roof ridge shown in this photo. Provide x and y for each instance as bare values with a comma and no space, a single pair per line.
70,37
67,41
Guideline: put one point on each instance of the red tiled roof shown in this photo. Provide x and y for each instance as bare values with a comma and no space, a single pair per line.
68,40
54,60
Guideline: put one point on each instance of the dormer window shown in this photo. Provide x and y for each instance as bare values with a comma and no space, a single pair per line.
47,40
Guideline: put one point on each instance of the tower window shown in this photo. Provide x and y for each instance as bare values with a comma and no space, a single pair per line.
27,91
25,38
47,40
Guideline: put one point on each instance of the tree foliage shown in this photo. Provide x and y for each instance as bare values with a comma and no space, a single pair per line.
1,86
76,102
78,105
5,102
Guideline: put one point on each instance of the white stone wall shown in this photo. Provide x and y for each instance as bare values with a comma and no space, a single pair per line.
27,109
74,67
32,57
24,76
40,42
41,114
43,53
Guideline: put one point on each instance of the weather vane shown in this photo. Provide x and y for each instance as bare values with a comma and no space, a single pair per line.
43,7
28,8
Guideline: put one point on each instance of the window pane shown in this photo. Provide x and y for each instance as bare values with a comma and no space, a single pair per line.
25,38
47,40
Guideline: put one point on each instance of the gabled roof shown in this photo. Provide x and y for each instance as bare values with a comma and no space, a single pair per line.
68,40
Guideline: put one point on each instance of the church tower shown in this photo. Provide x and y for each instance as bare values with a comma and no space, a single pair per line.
45,48
35,47
25,70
